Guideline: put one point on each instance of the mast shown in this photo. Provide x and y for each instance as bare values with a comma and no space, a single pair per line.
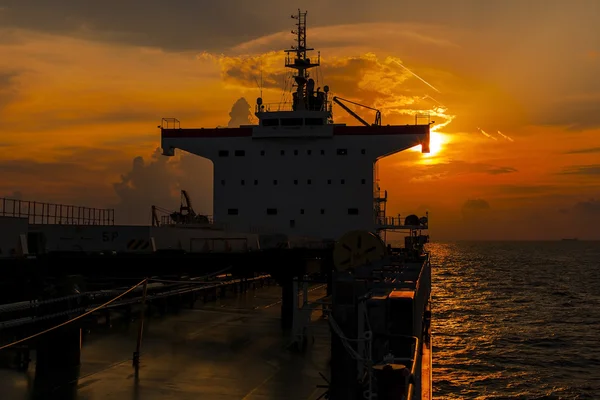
305,86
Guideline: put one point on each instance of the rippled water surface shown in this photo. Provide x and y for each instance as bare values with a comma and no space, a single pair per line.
516,320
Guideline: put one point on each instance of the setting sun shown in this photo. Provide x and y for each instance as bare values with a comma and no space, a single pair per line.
437,142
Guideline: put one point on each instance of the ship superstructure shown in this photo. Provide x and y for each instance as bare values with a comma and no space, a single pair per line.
297,172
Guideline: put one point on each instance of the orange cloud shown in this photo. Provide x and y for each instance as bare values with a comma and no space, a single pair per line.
76,113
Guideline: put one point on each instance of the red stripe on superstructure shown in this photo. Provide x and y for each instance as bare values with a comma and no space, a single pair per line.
381,130
206,132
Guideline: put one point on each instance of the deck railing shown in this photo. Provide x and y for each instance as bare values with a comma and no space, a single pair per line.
60,214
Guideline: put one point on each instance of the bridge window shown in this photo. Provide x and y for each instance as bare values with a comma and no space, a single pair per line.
232,211
314,121
353,211
270,122
291,121
223,153
240,153
342,152
271,211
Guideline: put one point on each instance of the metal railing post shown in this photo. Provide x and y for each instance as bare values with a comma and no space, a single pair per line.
136,354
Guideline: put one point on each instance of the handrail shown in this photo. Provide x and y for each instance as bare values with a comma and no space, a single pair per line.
174,288
52,213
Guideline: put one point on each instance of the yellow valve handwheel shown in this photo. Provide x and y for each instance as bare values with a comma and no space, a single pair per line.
357,248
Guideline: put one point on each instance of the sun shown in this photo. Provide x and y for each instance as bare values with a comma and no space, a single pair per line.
437,142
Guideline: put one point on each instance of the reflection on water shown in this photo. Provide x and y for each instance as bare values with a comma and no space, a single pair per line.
516,320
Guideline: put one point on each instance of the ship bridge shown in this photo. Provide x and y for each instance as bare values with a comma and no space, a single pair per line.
297,172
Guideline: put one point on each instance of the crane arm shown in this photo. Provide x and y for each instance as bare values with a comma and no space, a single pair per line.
338,101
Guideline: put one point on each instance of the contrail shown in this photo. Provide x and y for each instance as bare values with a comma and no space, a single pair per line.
431,98
418,77
486,134
506,136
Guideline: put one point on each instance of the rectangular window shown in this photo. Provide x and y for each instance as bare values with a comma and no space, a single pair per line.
342,181
302,211
256,181
270,122
309,152
329,181
243,182
295,152
240,153
275,182
232,211
309,181
363,181
292,223
322,211
342,152
223,153
314,121
271,211
353,211
291,121
363,151
262,152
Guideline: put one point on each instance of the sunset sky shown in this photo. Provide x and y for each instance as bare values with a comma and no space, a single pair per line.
84,84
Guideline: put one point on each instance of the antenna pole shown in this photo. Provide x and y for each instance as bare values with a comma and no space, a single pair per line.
301,63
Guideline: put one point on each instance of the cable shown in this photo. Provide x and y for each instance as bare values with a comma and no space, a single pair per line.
74,319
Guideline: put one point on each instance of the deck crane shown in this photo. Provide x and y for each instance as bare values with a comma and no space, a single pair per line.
185,215
338,100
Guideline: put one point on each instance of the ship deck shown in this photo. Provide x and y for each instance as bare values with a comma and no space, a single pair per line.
229,349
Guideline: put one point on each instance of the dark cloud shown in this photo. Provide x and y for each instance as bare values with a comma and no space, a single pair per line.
585,150
75,180
526,189
574,115
593,169
207,24
8,89
62,117
476,205
454,168
587,208
240,113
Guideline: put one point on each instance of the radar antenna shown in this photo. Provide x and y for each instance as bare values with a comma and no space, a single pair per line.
300,61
